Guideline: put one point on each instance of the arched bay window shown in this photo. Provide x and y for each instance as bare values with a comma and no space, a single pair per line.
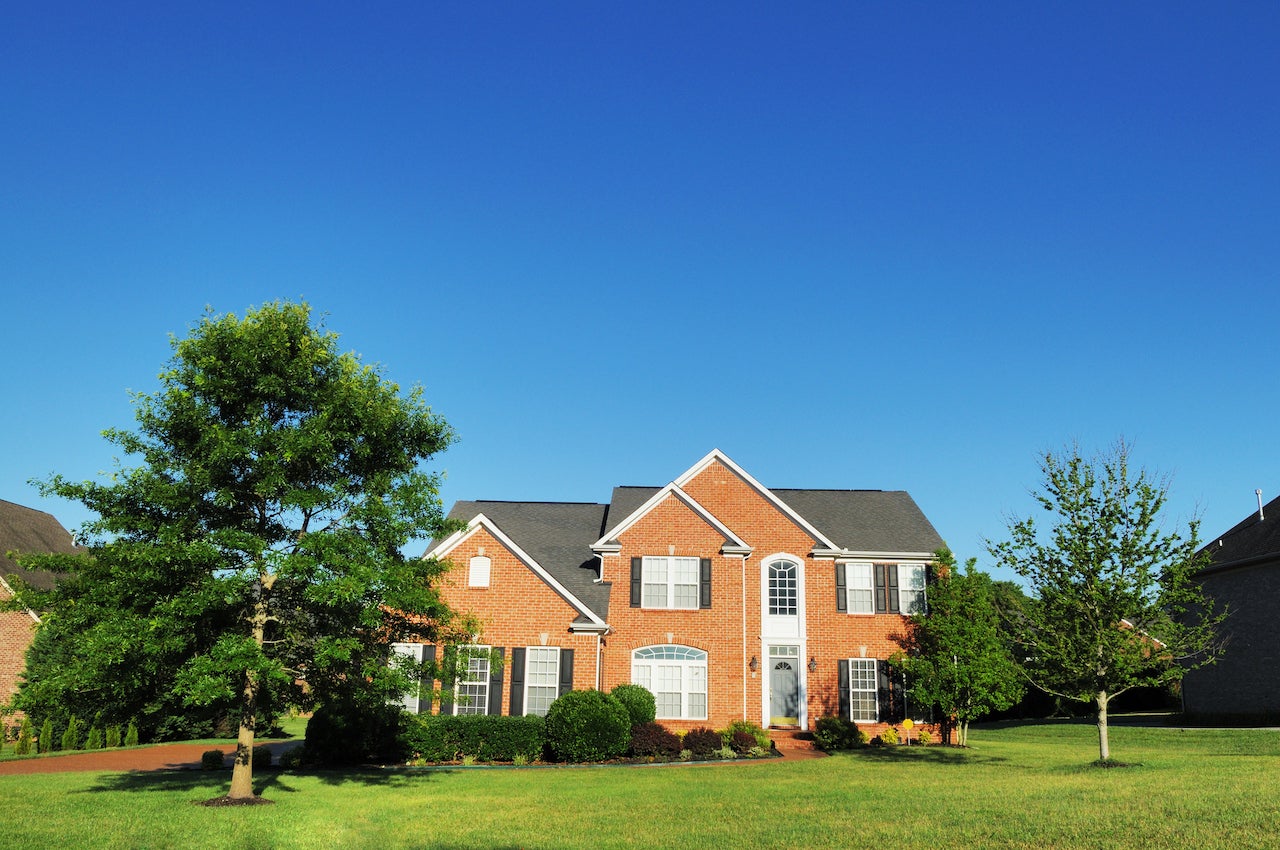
677,677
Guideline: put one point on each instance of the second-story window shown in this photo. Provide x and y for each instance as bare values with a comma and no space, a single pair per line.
670,582
782,588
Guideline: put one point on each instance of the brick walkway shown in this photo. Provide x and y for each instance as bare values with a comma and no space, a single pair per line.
160,757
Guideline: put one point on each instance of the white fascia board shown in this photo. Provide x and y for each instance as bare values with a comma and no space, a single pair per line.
863,555
604,544
716,454
8,589
482,521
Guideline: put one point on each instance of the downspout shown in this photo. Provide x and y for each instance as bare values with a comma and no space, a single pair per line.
599,636
744,636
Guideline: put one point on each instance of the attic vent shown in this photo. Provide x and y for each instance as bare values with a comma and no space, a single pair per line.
1258,493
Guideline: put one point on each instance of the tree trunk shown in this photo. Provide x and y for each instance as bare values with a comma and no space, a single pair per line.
242,772
1104,744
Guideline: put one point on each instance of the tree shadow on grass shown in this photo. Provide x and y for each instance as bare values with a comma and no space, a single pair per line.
265,782
933,755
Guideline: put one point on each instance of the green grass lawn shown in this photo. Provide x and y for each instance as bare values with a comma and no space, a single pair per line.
1024,786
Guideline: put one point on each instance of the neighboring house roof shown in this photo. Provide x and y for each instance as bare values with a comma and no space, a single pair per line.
1252,540
29,531
560,536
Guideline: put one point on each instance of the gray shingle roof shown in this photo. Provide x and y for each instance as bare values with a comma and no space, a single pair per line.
29,531
558,535
1250,540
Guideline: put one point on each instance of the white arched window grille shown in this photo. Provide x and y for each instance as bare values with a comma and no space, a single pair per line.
677,678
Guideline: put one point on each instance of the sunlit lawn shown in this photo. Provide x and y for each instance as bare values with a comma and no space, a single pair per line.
1027,786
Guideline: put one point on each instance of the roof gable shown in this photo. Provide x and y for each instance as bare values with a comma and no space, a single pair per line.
733,545
29,531
1255,538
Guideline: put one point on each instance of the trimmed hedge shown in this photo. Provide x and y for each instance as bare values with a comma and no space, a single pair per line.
588,726
484,737
638,701
703,742
346,733
836,733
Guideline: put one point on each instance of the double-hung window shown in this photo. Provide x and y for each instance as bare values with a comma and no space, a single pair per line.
677,678
864,707
670,582
542,679
911,588
860,589
472,692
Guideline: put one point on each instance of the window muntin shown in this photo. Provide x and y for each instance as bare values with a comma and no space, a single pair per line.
863,705
783,577
669,582
677,678
860,589
472,691
911,588
541,679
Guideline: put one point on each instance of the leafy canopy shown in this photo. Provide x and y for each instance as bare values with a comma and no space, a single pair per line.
259,540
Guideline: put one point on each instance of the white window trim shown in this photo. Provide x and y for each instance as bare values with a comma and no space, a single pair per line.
795,586
922,591
528,680
870,588
671,583
875,687
479,652
686,678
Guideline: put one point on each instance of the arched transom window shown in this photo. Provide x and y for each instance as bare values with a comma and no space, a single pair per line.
677,678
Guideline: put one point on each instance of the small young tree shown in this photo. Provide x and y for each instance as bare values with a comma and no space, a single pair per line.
23,747
954,655
131,735
71,735
45,742
1114,605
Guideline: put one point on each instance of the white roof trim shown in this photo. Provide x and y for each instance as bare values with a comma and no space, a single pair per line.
604,545
481,521
8,588
859,555
716,454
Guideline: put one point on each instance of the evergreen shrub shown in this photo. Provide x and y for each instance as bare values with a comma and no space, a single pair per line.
350,732
588,726
261,756
112,736
71,736
131,735
212,760
23,747
638,701
95,739
45,741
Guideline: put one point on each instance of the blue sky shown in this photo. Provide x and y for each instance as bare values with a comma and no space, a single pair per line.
855,245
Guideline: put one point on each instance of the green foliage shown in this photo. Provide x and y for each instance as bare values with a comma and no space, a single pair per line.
23,745
955,655
702,742
131,735
259,539
294,758
653,740
94,741
1115,605
924,737
448,738
45,741
261,756
354,731
112,736
638,701
760,734
71,735
889,736
837,733
587,726
213,760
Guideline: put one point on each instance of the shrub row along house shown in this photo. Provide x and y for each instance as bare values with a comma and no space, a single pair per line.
726,599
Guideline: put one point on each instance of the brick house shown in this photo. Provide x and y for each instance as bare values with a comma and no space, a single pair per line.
726,599
1244,576
23,530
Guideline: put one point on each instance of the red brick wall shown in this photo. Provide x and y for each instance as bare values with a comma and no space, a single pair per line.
516,609
17,629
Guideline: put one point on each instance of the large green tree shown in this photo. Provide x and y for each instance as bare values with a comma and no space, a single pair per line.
955,655
262,529
1114,605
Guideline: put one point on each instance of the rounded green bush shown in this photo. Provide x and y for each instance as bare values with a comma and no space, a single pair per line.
212,760
638,701
588,726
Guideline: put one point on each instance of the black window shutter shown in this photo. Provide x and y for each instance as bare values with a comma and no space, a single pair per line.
636,565
566,671
842,598
891,572
495,686
889,692
517,681
842,684
882,595
426,686
704,583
